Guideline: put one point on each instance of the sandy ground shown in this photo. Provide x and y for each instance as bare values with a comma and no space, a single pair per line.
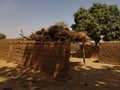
92,76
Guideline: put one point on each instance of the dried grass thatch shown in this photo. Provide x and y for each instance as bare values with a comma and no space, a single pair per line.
58,33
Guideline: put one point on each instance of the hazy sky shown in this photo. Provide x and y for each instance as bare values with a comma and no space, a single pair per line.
32,15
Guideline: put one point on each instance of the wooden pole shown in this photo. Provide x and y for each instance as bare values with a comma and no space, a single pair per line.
83,50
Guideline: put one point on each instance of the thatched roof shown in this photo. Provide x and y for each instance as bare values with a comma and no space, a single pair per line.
58,33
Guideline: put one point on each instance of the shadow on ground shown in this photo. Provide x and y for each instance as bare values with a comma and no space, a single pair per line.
88,78
20,78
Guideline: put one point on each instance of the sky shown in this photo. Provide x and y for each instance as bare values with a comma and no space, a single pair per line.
32,15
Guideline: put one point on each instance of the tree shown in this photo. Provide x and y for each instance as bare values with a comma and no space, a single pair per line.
99,19
2,36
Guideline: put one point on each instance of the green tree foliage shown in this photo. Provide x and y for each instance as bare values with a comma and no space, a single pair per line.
2,36
99,19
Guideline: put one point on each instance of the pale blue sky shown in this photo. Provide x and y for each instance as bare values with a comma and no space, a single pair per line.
32,15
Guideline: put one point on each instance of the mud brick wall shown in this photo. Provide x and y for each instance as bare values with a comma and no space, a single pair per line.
44,56
91,51
109,52
12,50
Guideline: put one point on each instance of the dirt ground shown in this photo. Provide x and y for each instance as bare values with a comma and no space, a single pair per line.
92,76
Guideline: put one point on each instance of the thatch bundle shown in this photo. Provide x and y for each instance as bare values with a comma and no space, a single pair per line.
58,33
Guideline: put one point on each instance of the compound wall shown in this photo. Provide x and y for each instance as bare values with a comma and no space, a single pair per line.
91,51
40,55
109,52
